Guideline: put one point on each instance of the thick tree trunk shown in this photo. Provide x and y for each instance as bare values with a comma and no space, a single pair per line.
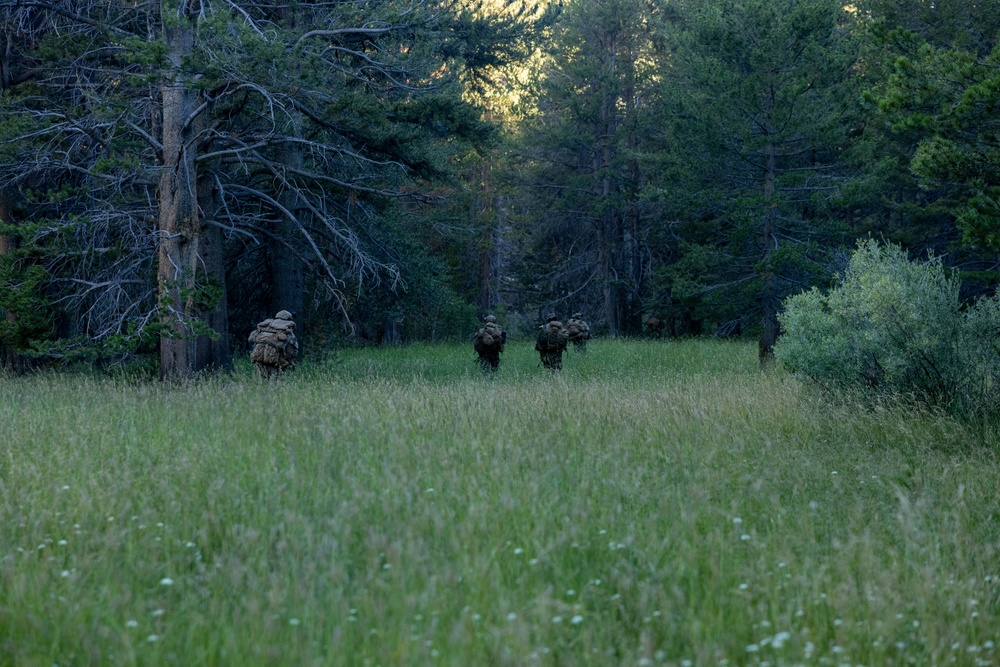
7,245
214,351
769,243
484,212
287,268
287,271
188,255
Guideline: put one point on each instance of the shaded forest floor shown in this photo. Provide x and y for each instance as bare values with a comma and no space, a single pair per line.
656,503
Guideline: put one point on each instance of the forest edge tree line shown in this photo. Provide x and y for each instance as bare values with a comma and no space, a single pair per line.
326,160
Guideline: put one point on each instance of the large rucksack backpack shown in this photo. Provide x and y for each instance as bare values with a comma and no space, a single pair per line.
551,338
274,343
489,338
577,329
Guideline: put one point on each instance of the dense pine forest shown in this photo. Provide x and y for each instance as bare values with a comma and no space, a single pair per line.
392,170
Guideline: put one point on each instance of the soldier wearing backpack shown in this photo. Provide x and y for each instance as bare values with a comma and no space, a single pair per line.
578,331
274,345
551,343
489,343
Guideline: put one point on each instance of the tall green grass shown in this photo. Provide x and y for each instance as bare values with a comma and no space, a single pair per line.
656,503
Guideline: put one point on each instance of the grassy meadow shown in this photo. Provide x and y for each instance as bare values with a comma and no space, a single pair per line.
658,503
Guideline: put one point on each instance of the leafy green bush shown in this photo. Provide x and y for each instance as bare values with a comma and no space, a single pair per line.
896,328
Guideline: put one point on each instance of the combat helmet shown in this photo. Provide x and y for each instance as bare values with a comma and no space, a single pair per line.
490,318
550,317
283,315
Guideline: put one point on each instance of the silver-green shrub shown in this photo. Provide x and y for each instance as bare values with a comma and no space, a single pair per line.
892,327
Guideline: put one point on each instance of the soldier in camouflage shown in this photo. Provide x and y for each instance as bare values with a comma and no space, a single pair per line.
274,345
551,343
488,343
579,332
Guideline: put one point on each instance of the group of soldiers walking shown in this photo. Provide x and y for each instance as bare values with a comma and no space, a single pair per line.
274,346
550,342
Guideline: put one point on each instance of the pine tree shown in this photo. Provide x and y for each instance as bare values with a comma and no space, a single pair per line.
756,113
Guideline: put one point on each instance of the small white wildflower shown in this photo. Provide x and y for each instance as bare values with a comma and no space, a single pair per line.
837,649
153,638
293,621
65,487
131,623
518,551
387,566
533,561
111,518
975,614
645,661
557,619
159,524
661,655
799,613
813,505
435,653
780,639
988,644
476,617
955,646
916,624
576,620
65,573
511,616
973,603
657,612
430,490
571,592
190,545
752,648
166,581
745,537
157,612
602,532
737,520
834,472
837,621
744,586
781,563
810,647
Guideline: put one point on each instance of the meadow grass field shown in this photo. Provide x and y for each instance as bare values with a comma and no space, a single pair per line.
658,503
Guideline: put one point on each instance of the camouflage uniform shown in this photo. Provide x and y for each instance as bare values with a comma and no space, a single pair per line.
489,343
579,332
274,345
551,342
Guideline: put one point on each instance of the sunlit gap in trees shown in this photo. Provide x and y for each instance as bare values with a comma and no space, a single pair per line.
505,97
